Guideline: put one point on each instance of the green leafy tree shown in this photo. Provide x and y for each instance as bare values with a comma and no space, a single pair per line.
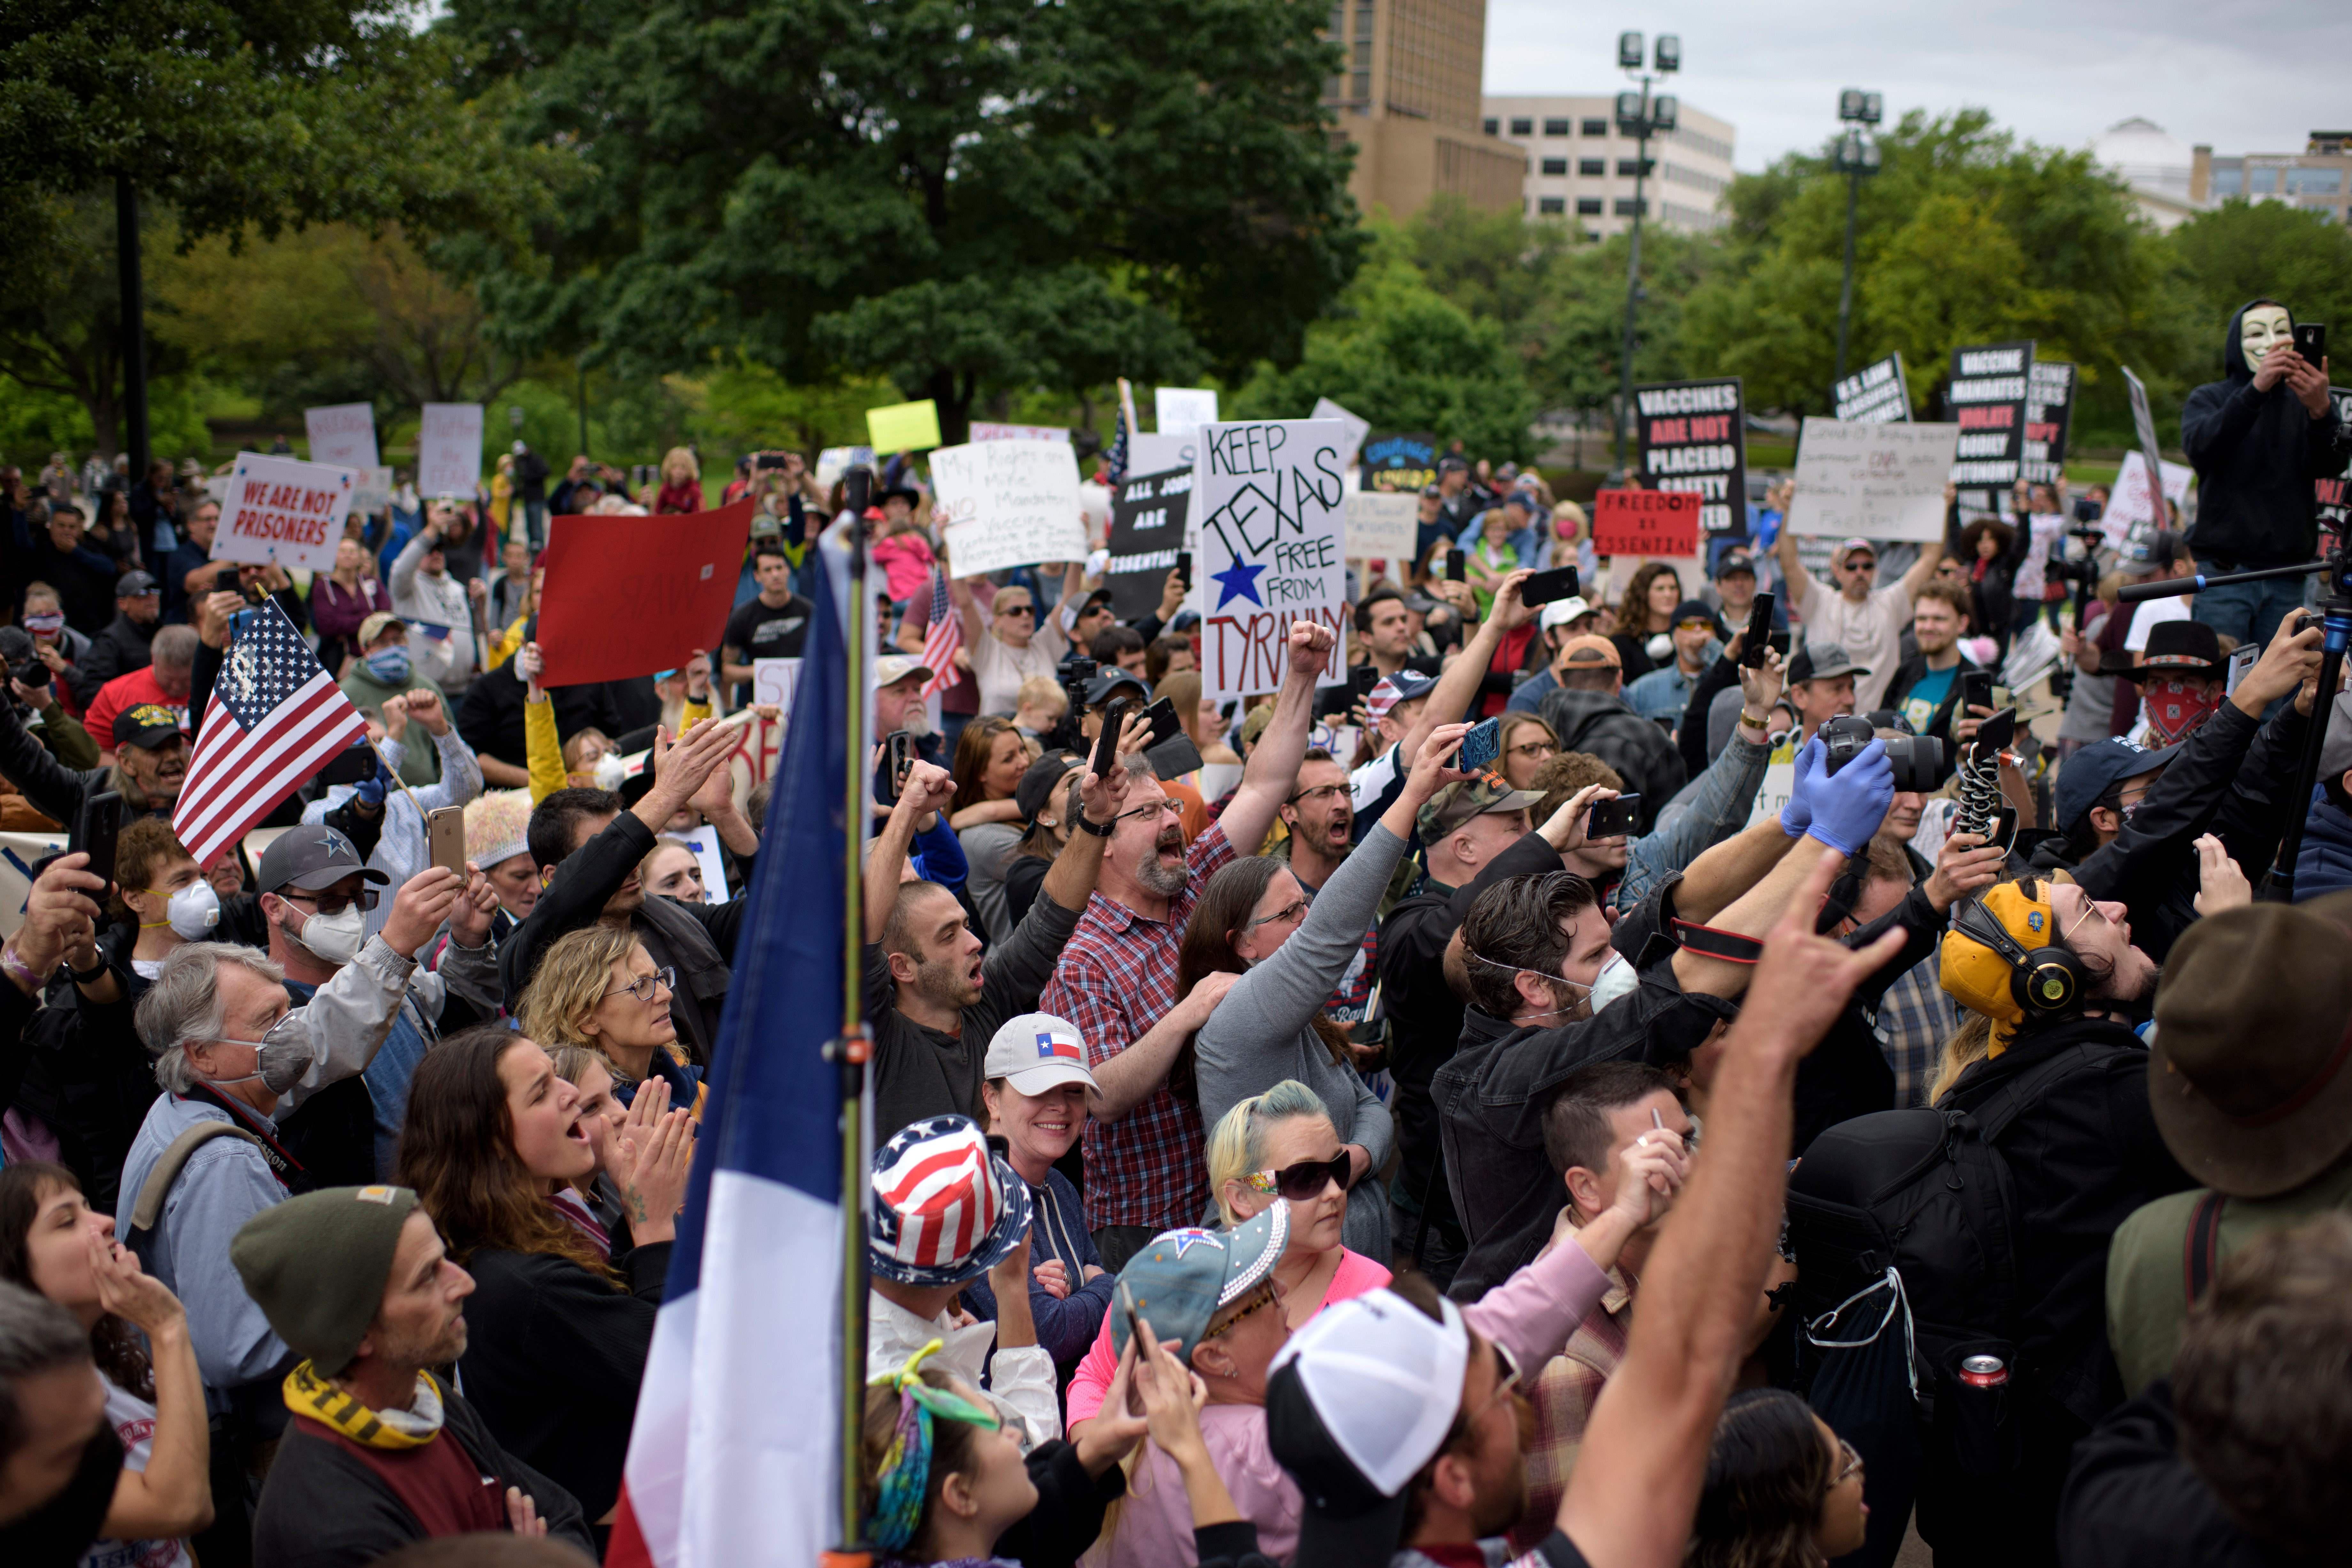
970,199
2247,250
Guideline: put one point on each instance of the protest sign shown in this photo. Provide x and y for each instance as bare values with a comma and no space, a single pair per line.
1695,437
1357,430
285,510
449,450
2049,411
835,462
2335,505
1147,530
373,494
669,581
1871,482
1382,527
1008,503
1875,394
1646,522
1149,454
1400,463
1267,499
704,842
904,427
774,681
1181,410
343,435
982,430
2131,508
1987,397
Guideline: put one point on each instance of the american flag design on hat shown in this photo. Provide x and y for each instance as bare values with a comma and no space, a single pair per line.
942,1212
1382,697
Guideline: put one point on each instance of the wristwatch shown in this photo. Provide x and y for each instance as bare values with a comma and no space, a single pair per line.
1086,825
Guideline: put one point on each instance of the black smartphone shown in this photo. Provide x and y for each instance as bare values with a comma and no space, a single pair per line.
96,828
1612,818
1114,719
768,460
1458,565
897,761
352,764
1184,566
1174,757
1976,689
1548,587
225,581
1363,678
1758,641
2311,340
1163,717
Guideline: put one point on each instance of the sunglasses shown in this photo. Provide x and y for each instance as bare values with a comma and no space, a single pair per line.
1266,1298
1016,609
1303,1181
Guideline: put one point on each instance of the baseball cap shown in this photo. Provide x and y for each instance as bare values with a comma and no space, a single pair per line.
146,725
2091,771
1696,610
2154,551
1590,649
1103,686
1561,612
1453,463
373,626
1735,561
1524,499
1848,546
1826,664
1391,689
132,585
1035,1052
894,667
310,859
1097,600
945,1209
1183,1277
1040,781
1459,802
1355,1402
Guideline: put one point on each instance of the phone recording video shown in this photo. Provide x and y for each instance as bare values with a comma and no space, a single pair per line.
1612,818
1758,639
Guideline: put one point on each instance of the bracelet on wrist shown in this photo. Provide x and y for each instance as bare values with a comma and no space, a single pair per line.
89,976
19,970
1086,825
1753,723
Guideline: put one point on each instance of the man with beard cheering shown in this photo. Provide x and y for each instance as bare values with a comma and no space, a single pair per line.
1117,982
150,763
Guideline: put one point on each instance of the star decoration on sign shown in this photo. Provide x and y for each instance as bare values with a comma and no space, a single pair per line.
1239,581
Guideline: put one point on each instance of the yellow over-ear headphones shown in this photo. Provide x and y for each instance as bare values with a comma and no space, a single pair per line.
2044,981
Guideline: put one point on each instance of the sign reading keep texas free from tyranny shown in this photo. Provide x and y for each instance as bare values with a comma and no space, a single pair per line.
1269,505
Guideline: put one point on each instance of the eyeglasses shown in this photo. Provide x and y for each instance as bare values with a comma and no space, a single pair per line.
1507,1378
1016,609
1303,1181
1168,804
644,985
1320,792
2089,910
1851,1467
1265,1299
1295,910
1535,749
326,905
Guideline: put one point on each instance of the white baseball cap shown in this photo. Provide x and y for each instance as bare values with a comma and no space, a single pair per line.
1037,1051
894,667
1561,612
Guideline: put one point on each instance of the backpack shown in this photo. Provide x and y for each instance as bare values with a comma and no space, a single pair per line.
1920,1200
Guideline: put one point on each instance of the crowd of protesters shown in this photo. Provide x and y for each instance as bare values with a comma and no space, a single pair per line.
1289,1146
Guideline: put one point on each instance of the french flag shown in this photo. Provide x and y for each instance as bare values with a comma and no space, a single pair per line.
736,1455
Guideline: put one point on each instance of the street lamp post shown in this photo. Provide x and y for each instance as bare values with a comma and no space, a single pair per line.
1856,156
1641,116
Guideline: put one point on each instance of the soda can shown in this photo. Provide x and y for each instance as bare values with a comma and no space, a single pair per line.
1984,1372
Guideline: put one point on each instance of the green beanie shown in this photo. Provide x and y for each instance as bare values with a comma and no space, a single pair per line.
316,1266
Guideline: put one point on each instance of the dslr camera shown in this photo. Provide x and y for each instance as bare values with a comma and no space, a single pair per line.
1918,760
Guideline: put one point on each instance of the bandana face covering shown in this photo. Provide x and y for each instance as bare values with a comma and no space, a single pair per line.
2175,711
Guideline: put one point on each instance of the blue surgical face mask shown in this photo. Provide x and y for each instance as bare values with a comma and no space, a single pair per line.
388,665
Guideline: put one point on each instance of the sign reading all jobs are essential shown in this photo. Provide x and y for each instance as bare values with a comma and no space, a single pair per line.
1694,438
284,510
1009,503
1147,531
1871,482
1875,394
1268,499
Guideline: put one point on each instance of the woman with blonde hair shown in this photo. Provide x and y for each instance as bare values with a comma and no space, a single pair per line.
681,482
598,987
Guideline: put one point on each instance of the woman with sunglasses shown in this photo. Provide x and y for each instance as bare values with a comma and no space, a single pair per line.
1253,918
600,988
1783,1490
1020,640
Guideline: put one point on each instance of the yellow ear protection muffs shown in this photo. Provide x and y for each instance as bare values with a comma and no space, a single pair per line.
2044,981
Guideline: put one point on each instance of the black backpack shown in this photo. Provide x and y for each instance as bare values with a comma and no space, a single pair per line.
1927,1193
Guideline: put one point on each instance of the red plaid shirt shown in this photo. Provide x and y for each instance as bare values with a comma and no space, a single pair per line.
1117,978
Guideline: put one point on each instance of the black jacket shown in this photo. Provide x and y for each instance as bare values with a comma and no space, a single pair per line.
490,715
1069,1511
1691,734
2081,1159
56,790
2132,1501
90,1079
1910,673
323,1508
121,648
2256,455
1600,724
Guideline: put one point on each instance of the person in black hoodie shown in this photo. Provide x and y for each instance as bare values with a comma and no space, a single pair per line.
2257,438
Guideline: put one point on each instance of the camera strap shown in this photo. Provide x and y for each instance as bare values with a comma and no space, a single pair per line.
1709,941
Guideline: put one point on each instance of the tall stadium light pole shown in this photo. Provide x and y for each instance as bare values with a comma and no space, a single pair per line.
133,328
1856,158
1641,116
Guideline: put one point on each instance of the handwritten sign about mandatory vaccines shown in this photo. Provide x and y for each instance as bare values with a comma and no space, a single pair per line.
1268,502
285,510
1009,503
343,434
1871,482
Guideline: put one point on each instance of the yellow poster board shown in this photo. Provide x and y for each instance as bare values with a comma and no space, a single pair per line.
904,427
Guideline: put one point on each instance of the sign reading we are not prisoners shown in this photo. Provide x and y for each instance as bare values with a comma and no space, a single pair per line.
284,510
1268,499
1694,438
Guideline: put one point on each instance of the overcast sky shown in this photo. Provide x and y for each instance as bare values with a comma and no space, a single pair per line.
2249,76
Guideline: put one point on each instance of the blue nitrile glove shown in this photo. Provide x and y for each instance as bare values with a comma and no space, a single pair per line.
1849,805
370,791
1797,814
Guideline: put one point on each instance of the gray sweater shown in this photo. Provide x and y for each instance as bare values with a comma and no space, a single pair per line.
1263,1031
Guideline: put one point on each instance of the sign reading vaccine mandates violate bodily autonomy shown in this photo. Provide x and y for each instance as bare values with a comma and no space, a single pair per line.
1694,438
1987,396
1269,507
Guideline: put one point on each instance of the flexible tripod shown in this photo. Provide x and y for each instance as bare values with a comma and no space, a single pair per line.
2335,620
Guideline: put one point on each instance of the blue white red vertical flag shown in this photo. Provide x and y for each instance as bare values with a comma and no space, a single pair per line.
941,637
735,1457
275,718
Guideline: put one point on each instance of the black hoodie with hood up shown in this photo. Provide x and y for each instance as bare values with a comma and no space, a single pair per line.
2256,455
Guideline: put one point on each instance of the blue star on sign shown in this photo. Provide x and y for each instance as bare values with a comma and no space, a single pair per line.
1239,581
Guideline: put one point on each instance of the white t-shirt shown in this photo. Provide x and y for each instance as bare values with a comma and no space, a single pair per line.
2045,537
134,1425
2153,612
1871,633
1001,668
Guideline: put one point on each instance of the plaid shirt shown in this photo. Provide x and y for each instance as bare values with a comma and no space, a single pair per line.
1116,980
1915,1019
1564,1397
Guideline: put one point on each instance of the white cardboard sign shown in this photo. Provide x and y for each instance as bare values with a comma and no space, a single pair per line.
774,680
449,450
2129,504
982,430
1009,503
1181,410
373,494
1325,408
1267,506
343,435
1857,480
285,510
1382,526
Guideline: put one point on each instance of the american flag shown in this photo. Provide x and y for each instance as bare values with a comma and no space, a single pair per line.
941,638
274,719
1115,460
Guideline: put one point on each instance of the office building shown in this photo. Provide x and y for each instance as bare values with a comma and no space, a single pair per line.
1408,98
2318,178
1580,167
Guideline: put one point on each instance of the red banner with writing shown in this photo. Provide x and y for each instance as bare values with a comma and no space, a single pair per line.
1646,522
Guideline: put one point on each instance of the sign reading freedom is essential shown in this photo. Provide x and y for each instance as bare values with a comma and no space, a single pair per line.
1009,503
1646,522
285,510
668,580
449,450
2049,410
1871,482
1875,394
1267,499
1147,530
343,435
1695,437
1987,397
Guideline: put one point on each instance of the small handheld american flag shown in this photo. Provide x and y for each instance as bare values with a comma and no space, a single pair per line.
941,638
274,719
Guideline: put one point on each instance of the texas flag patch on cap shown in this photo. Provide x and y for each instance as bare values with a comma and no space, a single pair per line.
1052,1044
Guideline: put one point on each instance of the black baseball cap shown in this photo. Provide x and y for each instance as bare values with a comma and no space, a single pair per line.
1035,790
1827,664
146,725
1104,686
134,585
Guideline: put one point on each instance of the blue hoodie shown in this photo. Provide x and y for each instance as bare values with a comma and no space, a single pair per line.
2324,863
1058,1228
